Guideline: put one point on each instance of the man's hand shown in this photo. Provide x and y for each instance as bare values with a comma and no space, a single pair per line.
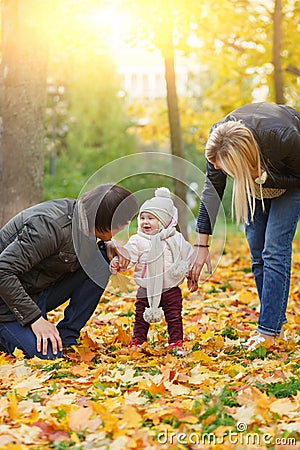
43,331
113,249
114,265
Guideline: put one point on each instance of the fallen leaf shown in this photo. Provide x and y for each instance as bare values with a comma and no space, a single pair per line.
284,406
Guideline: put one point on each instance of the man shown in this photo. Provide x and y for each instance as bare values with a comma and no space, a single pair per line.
49,254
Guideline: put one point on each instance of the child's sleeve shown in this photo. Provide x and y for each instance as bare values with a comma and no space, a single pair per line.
133,250
186,250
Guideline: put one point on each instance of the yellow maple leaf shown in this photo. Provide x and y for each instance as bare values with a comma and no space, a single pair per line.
177,389
34,415
208,334
131,418
109,420
284,406
246,297
12,446
19,354
12,407
120,282
199,355
74,437
3,358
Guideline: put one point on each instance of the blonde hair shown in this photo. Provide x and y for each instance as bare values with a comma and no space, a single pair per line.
232,146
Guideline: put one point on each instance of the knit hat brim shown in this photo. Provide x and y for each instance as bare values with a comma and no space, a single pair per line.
162,207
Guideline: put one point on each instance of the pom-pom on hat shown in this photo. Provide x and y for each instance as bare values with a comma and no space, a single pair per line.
162,207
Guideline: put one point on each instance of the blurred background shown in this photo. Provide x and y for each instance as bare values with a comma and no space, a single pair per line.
86,82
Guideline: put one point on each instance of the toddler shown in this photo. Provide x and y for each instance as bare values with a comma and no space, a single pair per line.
161,257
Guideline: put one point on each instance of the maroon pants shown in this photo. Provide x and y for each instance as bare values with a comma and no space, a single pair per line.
171,303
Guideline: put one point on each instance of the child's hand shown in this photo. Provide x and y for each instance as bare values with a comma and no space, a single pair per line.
115,250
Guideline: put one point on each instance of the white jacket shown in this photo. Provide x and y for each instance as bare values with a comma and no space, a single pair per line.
138,248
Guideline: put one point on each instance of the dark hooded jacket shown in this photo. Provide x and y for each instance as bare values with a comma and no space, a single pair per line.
276,129
36,250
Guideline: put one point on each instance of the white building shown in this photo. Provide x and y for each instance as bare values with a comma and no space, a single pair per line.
143,74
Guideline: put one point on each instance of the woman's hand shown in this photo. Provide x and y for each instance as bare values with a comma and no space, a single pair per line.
113,249
45,331
192,284
200,257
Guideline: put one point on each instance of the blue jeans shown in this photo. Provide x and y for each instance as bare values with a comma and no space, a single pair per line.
84,295
270,238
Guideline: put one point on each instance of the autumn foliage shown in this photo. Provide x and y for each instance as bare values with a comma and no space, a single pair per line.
105,395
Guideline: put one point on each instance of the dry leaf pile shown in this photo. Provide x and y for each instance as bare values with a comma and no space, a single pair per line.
104,395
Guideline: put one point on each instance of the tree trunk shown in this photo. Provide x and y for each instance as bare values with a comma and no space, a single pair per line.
277,61
23,101
177,147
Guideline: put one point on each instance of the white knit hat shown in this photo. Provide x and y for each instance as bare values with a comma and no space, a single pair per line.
162,207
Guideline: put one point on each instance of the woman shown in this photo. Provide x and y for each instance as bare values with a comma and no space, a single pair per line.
44,262
258,145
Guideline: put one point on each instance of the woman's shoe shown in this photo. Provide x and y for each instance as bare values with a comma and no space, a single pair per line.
256,341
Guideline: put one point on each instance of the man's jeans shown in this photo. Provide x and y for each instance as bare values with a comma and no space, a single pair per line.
84,295
270,238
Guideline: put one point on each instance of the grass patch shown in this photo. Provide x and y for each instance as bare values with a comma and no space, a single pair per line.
281,390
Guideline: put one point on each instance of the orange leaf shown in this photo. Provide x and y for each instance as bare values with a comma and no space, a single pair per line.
81,370
157,389
85,354
210,419
86,341
123,336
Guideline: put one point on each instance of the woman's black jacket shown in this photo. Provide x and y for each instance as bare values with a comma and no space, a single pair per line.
276,129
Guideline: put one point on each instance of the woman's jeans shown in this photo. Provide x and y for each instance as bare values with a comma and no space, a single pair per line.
270,238
171,303
84,295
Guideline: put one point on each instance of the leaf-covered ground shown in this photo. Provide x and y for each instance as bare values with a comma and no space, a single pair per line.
103,395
